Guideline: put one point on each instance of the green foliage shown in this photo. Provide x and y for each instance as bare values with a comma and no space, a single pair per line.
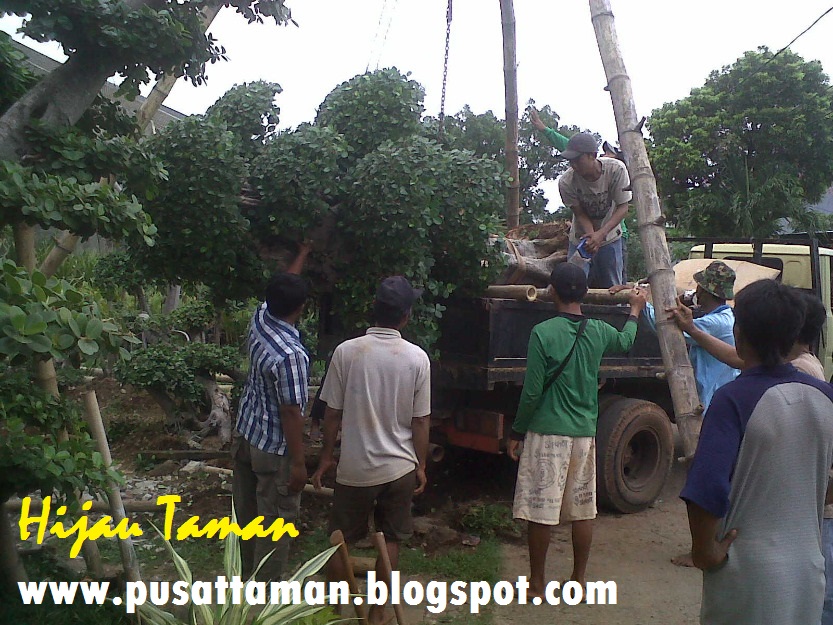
175,370
422,212
489,519
238,613
15,79
166,38
44,318
65,203
298,178
117,272
249,112
372,108
195,315
202,237
749,148
481,563
33,454
88,154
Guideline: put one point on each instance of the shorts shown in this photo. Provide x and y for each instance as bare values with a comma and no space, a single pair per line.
389,502
556,479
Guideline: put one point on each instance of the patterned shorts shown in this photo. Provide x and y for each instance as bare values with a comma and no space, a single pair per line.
556,479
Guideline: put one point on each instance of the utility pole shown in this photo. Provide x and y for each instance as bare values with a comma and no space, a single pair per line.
679,371
510,83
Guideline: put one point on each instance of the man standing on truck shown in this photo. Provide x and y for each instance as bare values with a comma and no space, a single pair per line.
597,191
556,420
378,392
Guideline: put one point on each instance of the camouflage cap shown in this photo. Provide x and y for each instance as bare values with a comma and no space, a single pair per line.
718,279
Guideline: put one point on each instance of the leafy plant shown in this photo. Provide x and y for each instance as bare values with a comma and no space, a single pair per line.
489,519
230,613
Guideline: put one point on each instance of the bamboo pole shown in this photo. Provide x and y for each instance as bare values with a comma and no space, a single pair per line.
593,296
525,292
510,85
679,371
93,418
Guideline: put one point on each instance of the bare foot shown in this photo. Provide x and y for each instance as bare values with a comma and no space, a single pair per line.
684,559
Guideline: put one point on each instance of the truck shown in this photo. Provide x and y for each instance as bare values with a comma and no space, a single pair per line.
479,377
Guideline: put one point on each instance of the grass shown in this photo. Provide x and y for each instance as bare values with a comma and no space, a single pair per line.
481,563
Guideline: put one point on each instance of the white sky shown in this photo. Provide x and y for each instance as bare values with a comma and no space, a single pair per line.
669,47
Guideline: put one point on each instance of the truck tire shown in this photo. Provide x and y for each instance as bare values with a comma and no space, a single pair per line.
634,453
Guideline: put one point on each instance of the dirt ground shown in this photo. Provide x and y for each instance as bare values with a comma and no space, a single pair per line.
632,550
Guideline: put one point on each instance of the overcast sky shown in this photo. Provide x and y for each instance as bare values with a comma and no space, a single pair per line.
669,47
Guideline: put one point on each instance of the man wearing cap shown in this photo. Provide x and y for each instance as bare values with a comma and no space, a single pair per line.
595,190
378,392
556,420
715,285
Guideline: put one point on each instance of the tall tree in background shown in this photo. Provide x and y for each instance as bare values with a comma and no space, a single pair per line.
749,149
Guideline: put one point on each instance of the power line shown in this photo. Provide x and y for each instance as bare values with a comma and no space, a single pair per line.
796,38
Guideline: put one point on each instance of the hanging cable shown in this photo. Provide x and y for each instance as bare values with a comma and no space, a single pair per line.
441,128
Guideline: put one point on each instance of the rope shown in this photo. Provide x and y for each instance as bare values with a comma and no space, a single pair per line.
441,129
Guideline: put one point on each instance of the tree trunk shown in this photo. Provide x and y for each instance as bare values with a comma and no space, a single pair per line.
162,89
59,253
172,299
651,229
220,417
59,99
141,299
510,84
11,568
169,407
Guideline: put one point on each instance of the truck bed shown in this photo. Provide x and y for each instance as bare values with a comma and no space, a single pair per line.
484,342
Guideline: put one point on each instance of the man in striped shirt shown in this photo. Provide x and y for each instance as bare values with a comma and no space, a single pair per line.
268,449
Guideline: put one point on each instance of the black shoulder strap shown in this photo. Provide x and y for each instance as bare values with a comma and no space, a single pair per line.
566,360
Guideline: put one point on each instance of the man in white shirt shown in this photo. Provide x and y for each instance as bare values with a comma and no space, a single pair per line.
378,392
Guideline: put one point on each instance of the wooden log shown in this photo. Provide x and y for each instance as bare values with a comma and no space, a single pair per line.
308,488
687,408
92,415
594,296
378,540
337,538
512,291
13,506
186,454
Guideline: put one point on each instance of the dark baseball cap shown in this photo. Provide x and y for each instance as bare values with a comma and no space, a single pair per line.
581,143
397,292
569,282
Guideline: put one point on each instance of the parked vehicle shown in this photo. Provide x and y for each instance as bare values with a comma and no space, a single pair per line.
478,380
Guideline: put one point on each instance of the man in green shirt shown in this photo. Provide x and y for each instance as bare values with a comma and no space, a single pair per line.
556,420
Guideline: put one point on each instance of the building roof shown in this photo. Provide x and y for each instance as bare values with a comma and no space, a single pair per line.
41,64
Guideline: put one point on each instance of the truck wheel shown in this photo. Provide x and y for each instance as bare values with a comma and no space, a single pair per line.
634,453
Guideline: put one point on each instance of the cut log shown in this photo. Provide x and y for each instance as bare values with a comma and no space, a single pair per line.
512,291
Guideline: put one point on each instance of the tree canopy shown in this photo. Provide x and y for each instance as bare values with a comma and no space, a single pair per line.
747,150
